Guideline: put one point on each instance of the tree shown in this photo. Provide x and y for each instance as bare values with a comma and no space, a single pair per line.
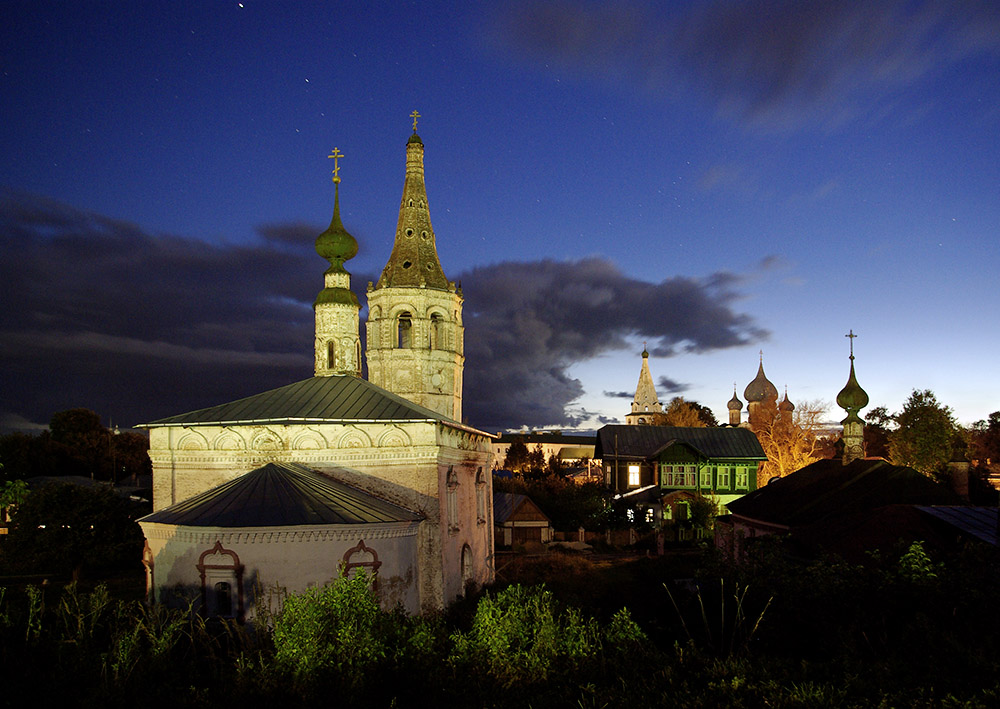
985,441
680,412
791,441
878,423
924,438
517,456
65,528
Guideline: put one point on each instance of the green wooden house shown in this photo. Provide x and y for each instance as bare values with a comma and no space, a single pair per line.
720,461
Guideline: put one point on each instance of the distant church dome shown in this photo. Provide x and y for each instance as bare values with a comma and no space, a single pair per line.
735,404
785,404
760,389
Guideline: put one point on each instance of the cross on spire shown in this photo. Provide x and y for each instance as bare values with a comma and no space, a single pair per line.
336,155
414,116
851,335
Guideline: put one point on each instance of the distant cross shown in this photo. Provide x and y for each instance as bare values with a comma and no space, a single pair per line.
762,356
336,155
852,336
414,116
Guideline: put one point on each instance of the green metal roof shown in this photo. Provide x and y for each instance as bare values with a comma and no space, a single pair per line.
281,495
642,442
315,400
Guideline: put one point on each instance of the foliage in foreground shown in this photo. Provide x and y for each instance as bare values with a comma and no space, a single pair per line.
903,630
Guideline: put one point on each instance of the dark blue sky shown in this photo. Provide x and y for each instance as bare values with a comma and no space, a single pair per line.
714,179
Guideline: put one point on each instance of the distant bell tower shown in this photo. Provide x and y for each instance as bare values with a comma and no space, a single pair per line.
646,407
852,398
338,341
415,334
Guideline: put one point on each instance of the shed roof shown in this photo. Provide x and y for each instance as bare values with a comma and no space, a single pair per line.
333,398
278,495
507,504
642,442
978,522
828,488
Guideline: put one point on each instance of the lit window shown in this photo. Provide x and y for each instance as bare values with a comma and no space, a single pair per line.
742,482
723,477
633,475
706,478
649,514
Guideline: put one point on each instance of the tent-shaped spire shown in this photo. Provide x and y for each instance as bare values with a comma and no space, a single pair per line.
414,259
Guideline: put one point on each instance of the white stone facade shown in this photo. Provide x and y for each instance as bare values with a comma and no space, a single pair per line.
234,572
437,470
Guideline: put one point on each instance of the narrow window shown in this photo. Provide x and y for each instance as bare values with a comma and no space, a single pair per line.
480,497
331,355
435,334
452,482
404,331
633,475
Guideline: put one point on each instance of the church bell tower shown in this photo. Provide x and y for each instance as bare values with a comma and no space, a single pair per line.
338,344
415,335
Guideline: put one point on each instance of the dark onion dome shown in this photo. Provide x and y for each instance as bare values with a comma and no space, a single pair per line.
336,244
785,404
414,139
852,398
760,389
735,404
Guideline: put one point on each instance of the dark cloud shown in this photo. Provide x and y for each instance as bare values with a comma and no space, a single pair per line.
779,61
100,314
527,323
670,386
620,394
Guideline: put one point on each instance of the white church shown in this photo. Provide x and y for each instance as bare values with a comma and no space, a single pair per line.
290,488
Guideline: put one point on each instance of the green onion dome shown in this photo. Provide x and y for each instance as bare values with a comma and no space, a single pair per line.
852,397
336,244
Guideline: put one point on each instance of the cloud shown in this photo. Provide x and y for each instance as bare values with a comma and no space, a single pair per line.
776,62
528,322
101,314
620,394
666,385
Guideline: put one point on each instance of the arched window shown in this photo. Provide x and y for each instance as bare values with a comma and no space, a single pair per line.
221,579
331,355
437,325
404,331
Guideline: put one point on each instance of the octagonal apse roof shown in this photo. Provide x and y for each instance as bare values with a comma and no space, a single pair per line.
281,495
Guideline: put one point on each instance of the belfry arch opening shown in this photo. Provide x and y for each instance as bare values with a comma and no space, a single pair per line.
404,331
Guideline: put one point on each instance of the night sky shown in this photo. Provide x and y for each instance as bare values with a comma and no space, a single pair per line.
711,179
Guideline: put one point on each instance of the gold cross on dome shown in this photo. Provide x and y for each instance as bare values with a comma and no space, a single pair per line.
851,335
414,116
336,155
